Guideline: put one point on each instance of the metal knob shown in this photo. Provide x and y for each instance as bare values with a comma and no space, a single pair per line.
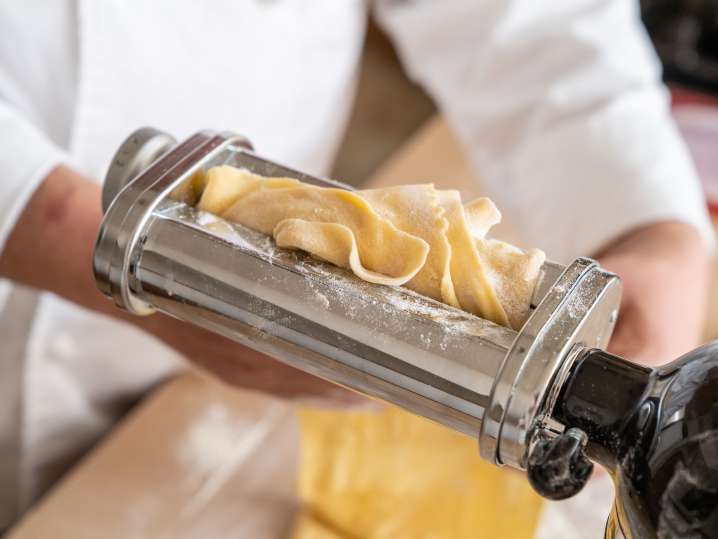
137,152
559,468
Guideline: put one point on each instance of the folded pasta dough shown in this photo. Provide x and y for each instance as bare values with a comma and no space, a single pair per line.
512,271
333,224
415,209
411,235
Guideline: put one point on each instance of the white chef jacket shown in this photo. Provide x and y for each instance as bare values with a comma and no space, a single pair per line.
559,105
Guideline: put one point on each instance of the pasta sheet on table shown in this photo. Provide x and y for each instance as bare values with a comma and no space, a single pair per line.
392,475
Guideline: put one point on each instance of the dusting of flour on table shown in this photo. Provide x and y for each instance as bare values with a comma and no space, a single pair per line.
216,446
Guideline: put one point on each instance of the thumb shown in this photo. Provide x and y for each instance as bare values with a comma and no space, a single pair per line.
628,341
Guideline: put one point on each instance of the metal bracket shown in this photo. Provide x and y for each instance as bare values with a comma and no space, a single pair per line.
137,153
580,309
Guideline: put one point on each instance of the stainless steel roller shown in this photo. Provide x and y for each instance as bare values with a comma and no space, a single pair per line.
387,342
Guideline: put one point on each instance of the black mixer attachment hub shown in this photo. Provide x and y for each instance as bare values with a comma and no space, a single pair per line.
654,430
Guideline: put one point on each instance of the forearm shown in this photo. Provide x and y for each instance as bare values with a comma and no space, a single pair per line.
51,245
51,248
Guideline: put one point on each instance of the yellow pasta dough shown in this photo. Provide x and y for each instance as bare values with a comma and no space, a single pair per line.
411,235
391,475
415,209
336,225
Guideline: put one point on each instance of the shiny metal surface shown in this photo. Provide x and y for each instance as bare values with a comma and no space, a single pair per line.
137,152
613,526
387,342
579,311
128,214
550,272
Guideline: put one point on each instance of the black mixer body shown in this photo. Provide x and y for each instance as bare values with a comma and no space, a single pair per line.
656,432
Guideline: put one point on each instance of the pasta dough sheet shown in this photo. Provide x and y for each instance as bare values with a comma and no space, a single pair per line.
411,235
392,475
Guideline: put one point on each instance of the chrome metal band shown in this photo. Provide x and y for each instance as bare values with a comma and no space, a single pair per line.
127,215
580,310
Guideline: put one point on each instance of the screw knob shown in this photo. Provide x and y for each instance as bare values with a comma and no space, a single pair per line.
559,468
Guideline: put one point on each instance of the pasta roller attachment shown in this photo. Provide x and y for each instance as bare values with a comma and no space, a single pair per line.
515,391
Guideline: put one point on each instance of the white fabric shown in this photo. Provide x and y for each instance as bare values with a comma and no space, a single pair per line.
561,108
76,77
559,105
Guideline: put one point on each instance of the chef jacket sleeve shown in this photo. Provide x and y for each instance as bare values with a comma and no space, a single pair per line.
561,109
26,157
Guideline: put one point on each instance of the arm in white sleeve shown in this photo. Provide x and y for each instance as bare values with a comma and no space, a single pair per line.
562,112
26,158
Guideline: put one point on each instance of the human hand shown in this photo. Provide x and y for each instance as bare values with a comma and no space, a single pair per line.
665,269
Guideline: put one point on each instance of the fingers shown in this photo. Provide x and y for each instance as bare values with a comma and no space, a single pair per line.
641,338
626,340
